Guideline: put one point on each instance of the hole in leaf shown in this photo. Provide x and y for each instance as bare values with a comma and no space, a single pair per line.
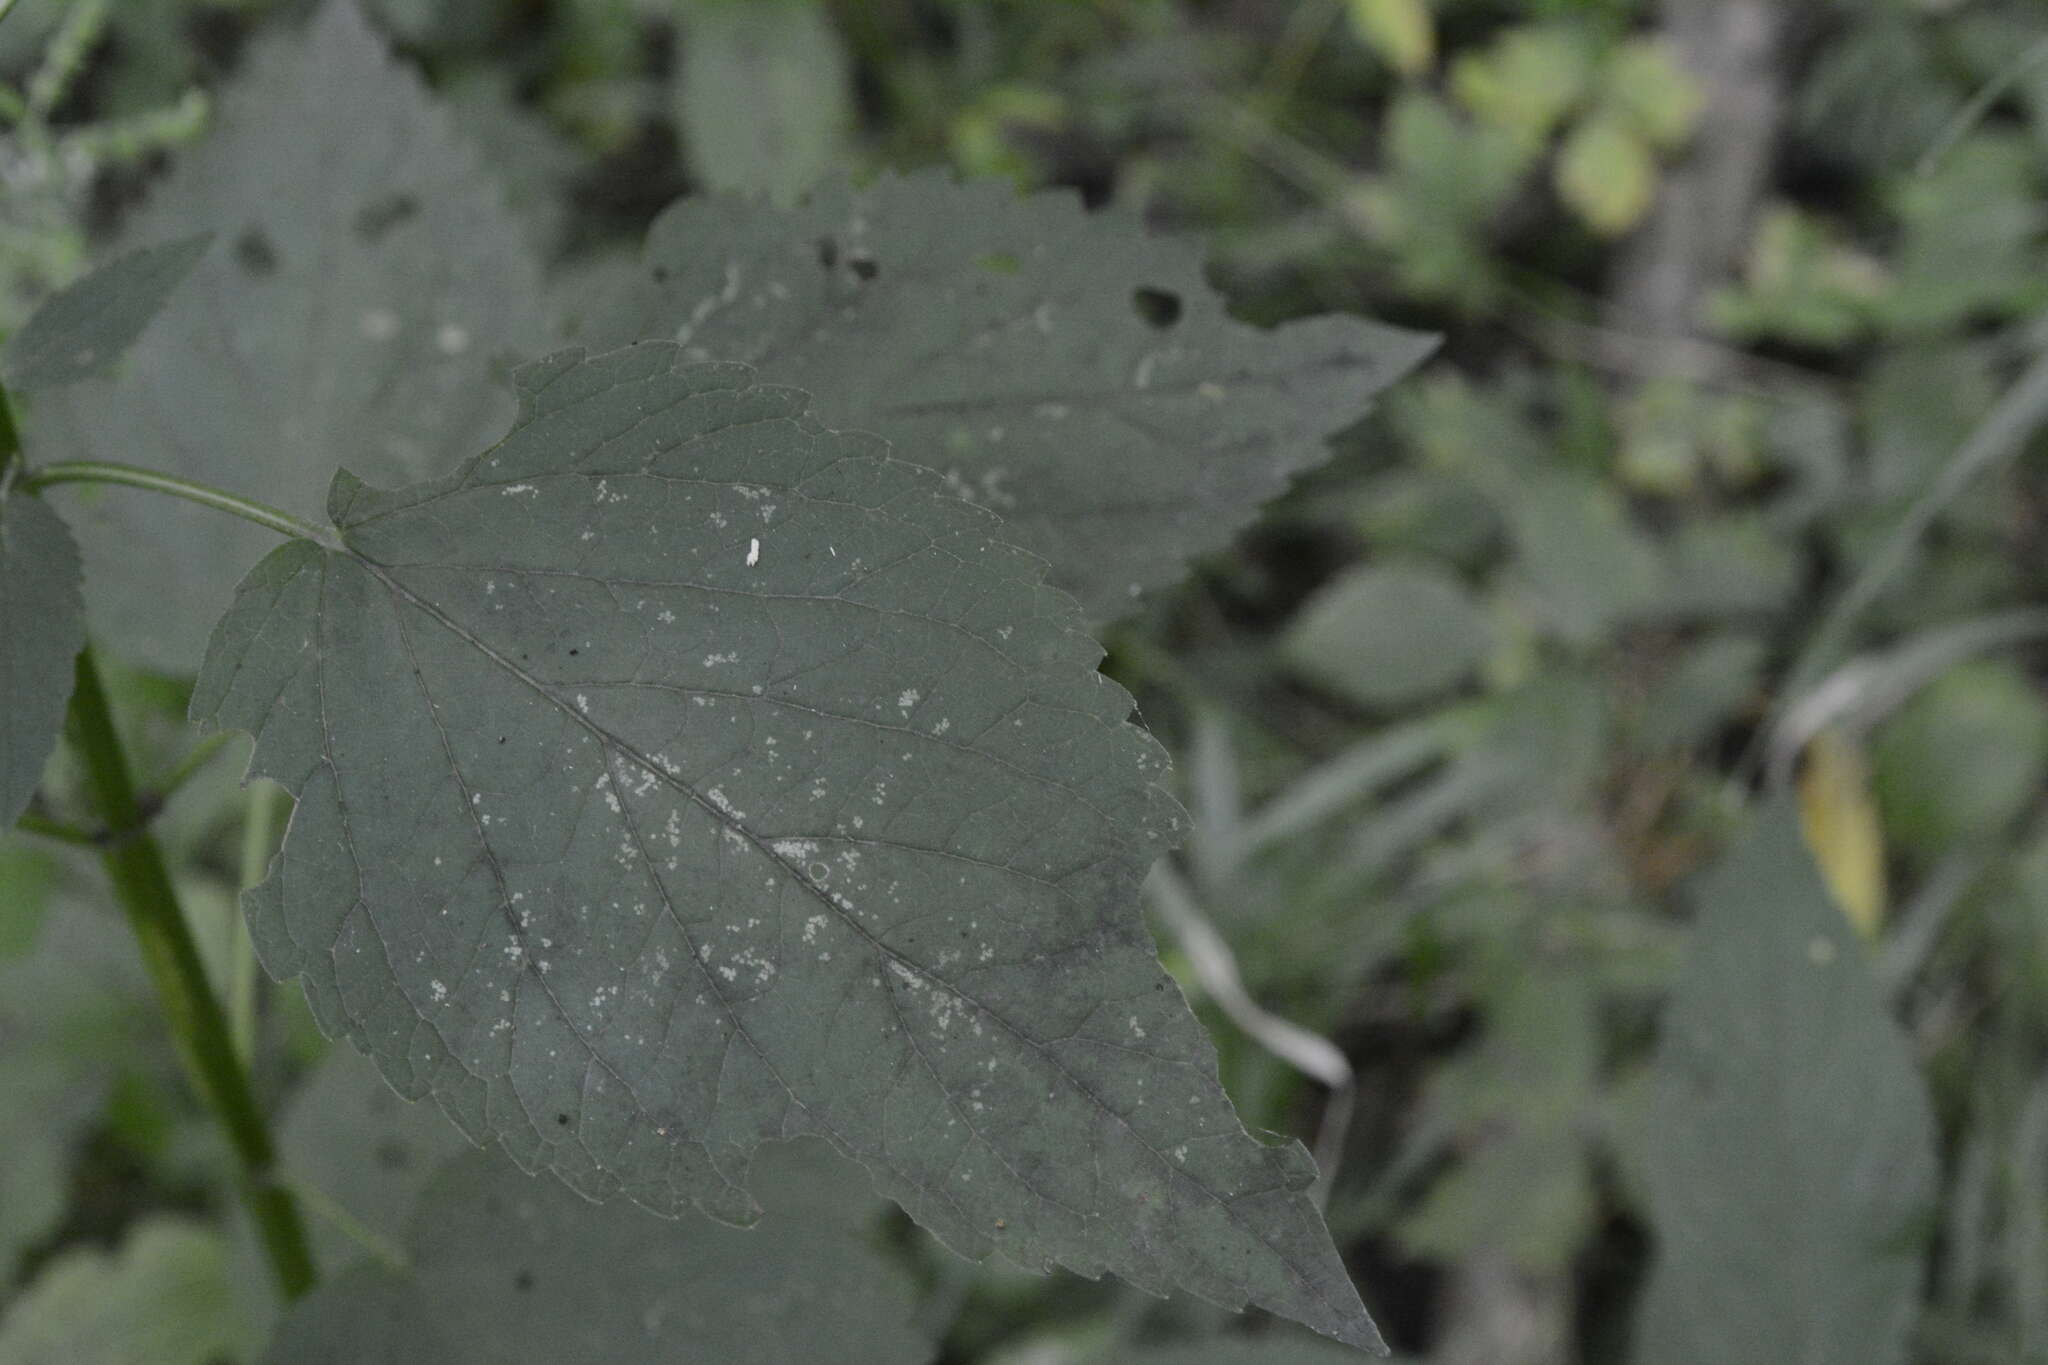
1159,308
255,254
381,215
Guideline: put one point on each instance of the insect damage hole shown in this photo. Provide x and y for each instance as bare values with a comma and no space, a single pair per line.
255,254
380,215
1159,308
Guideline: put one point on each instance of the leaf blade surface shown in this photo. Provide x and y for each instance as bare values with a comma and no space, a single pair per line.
365,283
504,1269
84,329
1792,1173
42,628
1063,368
681,775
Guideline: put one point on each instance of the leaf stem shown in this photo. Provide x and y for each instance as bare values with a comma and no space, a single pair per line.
142,883
33,822
132,476
192,763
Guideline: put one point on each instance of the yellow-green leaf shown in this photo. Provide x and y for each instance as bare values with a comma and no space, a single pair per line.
1401,31
1644,85
1607,176
1526,82
1838,815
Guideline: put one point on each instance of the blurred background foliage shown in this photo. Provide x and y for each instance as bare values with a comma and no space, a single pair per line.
1732,291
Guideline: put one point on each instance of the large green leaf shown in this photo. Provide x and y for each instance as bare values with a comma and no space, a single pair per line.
1791,1170
365,283
1061,368
163,1299
505,1270
680,775
86,328
42,628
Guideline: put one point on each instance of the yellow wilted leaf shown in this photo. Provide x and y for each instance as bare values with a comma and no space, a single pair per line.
1839,818
1399,30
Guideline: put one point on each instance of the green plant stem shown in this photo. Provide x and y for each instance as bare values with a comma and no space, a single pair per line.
130,476
142,883
192,763
10,437
33,823
327,1207
259,842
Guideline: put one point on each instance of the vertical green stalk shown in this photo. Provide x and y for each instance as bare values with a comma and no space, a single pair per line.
143,885
259,842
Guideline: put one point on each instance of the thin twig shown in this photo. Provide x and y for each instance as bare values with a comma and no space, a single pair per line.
1215,968
1980,104
2000,436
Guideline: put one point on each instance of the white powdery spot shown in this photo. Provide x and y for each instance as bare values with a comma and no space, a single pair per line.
379,324
514,490
907,698
753,551
453,338
439,989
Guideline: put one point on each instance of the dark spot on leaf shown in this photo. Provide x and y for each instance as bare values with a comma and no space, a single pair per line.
661,274
1158,307
828,252
523,1281
573,653
255,254
562,1119
393,1155
864,267
382,214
